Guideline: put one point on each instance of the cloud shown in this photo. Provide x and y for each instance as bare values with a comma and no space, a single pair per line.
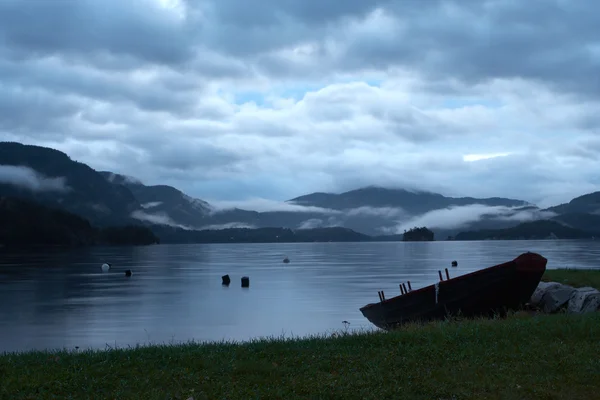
460,216
158,219
228,225
234,102
151,204
114,178
385,212
265,205
30,179
313,223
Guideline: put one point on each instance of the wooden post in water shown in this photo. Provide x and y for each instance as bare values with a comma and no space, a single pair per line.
447,274
440,274
404,286
409,288
401,289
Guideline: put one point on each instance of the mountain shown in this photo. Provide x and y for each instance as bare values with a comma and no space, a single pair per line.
583,221
412,202
170,206
104,198
50,177
542,229
375,210
371,211
588,203
28,223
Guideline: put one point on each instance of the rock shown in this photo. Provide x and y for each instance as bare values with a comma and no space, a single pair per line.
556,297
245,282
128,273
584,300
454,263
543,287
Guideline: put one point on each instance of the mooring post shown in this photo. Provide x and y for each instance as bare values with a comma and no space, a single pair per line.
245,282
440,274
226,280
404,286
409,288
447,274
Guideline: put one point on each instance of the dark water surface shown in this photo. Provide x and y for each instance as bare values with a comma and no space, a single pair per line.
62,299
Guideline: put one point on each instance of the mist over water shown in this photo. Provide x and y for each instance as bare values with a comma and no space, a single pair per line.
60,299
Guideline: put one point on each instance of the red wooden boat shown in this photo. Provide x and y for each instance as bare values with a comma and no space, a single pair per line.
485,292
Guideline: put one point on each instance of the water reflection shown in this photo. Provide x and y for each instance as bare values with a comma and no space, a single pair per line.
63,299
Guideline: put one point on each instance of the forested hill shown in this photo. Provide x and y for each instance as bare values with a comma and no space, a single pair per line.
26,223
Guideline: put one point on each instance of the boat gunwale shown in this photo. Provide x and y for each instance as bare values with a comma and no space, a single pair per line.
456,278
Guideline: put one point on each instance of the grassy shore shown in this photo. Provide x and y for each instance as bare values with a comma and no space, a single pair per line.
521,357
574,277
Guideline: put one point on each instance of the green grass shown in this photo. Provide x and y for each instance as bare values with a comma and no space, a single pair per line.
574,277
541,357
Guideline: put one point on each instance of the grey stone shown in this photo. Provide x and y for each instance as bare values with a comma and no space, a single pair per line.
556,297
538,294
584,300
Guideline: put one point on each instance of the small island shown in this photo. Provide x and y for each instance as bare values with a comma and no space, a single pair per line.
415,234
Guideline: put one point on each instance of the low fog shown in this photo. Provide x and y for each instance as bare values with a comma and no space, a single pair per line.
159,219
460,216
28,178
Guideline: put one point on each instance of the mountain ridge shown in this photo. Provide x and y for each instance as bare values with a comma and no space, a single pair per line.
106,198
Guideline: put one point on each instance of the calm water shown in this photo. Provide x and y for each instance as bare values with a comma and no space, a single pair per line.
62,299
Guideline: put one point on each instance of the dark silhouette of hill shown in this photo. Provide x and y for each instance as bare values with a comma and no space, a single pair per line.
27,223
83,190
416,234
259,235
541,229
587,204
413,202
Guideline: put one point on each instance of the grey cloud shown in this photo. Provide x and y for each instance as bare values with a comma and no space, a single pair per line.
33,110
134,89
151,204
228,225
160,219
30,179
162,90
193,155
136,28
313,223
274,12
386,212
265,205
459,217
549,41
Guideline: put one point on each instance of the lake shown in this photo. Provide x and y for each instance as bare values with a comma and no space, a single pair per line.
60,299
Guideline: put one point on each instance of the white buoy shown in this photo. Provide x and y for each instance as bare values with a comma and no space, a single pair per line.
105,267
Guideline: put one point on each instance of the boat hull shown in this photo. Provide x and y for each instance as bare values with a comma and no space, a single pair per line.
493,290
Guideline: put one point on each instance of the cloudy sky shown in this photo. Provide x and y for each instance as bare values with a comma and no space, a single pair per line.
236,99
